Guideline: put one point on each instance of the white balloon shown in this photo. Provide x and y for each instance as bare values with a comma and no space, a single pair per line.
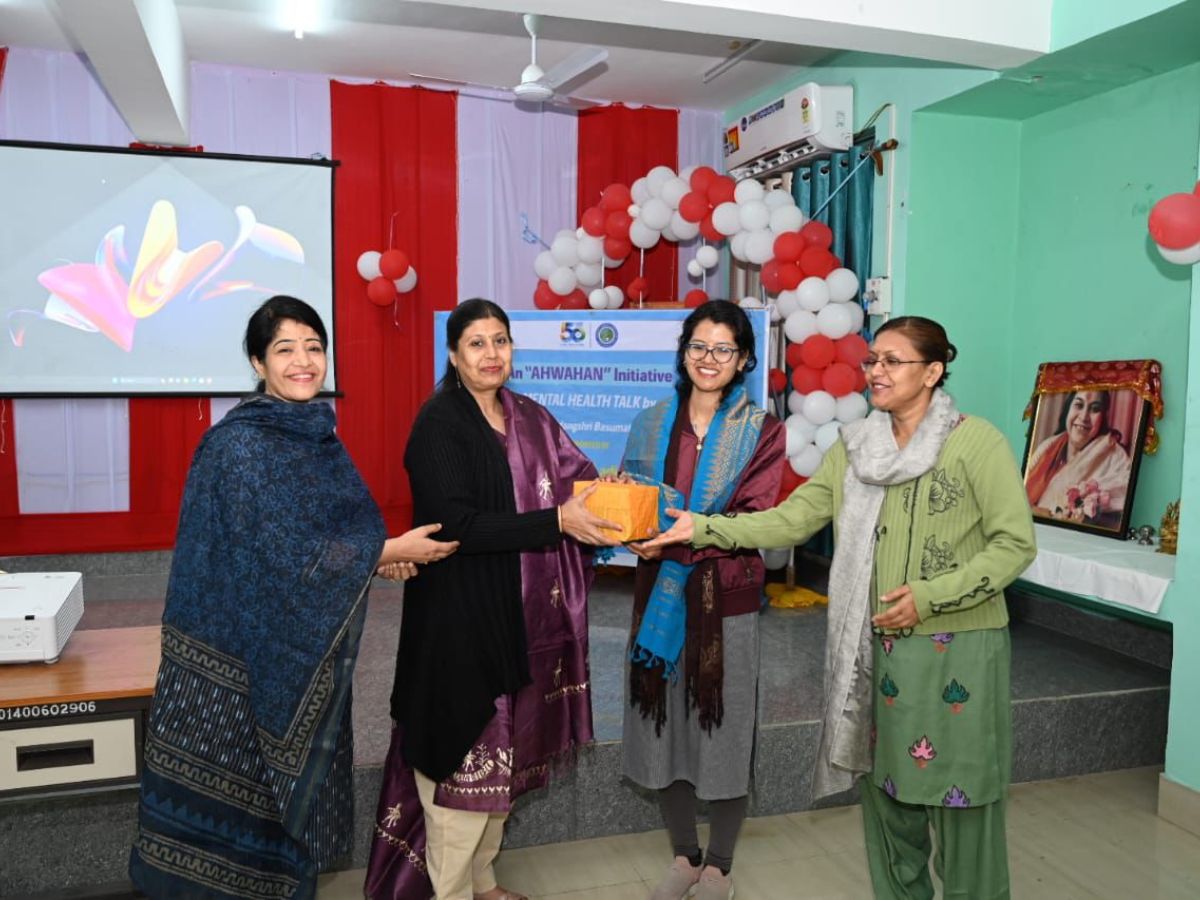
776,557
686,174
656,214
565,249
590,250
828,434
777,198
707,256
668,234
1185,257
750,303
760,246
776,315
746,190
813,293
642,235
598,299
800,431
640,191
657,178
787,303
800,325
684,230
612,263
588,274
795,403
851,408
408,281
545,263
737,246
843,285
673,191
562,280
786,218
805,462
616,297
726,219
579,232
564,233
835,320
695,269
819,407
754,215
856,317
368,264
634,210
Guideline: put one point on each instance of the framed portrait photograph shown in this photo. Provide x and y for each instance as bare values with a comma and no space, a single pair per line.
1082,457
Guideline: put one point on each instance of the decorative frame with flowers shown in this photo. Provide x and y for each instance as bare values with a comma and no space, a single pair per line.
1082,456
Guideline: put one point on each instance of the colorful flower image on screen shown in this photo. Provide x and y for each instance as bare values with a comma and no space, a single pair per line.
110,295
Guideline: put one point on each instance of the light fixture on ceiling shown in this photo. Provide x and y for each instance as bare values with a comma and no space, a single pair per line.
740,53
301,16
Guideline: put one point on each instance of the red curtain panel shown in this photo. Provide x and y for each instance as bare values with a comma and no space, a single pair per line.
620,144
397,176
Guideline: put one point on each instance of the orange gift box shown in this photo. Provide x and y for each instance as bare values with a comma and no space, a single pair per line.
633,506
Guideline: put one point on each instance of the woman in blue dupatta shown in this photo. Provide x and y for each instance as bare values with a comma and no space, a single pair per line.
693,664
246,789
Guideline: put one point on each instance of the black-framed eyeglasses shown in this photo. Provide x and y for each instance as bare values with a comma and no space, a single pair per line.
890,363
722,353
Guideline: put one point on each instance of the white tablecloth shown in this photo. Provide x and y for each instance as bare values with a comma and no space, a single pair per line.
1121,572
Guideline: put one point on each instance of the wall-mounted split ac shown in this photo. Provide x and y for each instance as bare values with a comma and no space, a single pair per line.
807,120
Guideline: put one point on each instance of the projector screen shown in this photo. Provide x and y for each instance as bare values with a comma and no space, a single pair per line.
134,272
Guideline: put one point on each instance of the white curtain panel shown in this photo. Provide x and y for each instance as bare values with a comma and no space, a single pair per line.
700,144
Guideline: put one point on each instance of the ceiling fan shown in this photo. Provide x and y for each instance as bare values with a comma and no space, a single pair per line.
536,85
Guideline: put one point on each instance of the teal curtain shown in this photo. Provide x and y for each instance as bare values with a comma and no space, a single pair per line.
850,216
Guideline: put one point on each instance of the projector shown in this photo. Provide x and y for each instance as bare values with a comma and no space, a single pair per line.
38,612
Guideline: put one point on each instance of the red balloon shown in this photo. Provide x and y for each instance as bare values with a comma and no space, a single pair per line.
777,381
721,190
617,247
839,379
617,223
817,234
789,246
702,177
860,382
544,298
393,264
817,351
638,289
806,380
616,196
789,482
790,275
694,206
770,276
852,350
594,220
818,262
709,232
695,298
381,291
1175,221
793,356
577,299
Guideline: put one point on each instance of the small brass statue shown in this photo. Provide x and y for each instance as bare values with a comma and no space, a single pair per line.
1169,530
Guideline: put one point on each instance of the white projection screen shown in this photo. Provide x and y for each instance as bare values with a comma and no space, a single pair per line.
128,272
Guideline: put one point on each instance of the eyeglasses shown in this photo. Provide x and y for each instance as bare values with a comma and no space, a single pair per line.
722,353
890,363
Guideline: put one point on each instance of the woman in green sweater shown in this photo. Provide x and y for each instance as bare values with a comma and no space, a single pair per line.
931,524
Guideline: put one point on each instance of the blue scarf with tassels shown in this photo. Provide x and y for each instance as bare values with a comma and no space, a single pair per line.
727,448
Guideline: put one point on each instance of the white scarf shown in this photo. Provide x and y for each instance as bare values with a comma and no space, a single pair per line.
844,752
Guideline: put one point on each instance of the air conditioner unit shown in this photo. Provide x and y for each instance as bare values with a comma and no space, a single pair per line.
803,122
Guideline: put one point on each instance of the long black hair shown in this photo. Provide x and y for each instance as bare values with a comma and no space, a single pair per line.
719,312
264,325
464,314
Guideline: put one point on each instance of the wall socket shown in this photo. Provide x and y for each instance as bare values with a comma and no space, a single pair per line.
878,294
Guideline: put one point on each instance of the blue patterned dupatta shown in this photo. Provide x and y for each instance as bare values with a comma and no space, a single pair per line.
728,446
246,788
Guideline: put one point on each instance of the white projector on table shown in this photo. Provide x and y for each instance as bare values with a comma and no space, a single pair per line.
38,612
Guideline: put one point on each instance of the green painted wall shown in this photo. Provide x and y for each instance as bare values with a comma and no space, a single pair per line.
909,84
1072,21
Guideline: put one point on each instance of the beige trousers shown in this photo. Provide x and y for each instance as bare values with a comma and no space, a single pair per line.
460,846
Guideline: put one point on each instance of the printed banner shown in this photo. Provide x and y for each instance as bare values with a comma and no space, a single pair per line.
595,369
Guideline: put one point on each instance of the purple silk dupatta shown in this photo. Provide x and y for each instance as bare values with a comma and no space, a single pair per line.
542,724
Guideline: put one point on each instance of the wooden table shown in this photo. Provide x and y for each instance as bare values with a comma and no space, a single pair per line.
78,723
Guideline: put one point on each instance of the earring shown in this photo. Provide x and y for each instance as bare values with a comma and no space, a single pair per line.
456,378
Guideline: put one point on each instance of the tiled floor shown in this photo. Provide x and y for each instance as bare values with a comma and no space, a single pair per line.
1093,836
